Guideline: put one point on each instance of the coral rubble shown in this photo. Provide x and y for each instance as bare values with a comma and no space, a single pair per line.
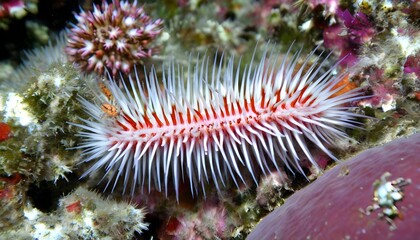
80,215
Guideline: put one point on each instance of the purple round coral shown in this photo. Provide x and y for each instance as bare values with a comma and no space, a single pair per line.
375,195
114,36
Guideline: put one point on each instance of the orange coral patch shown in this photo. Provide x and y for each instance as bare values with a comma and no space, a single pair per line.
347,86
5,131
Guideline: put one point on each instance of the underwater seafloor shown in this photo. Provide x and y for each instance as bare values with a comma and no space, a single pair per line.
43,197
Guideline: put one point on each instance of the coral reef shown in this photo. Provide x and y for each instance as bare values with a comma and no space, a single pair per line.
333,206
80,215
46,88
35,105
39,92
381,42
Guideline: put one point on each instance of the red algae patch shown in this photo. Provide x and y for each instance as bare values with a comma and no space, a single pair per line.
5,131
334,206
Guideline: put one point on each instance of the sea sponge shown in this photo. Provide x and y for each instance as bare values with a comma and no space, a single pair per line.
333,207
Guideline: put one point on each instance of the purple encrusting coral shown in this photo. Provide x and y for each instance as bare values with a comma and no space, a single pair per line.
412,65
384,94
333,206
114,36
348,35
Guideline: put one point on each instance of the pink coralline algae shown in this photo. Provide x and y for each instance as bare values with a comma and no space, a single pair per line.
349,34
10,8
113,36
412,65
334,206
210,222
359,29
384,94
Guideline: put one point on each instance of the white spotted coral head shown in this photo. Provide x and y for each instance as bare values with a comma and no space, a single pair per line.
214,122
112,37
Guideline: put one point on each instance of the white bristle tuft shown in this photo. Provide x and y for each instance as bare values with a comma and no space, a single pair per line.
210,124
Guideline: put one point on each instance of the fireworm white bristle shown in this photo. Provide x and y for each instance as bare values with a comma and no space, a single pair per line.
214,122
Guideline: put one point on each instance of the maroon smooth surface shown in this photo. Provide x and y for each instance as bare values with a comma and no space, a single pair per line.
329,207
